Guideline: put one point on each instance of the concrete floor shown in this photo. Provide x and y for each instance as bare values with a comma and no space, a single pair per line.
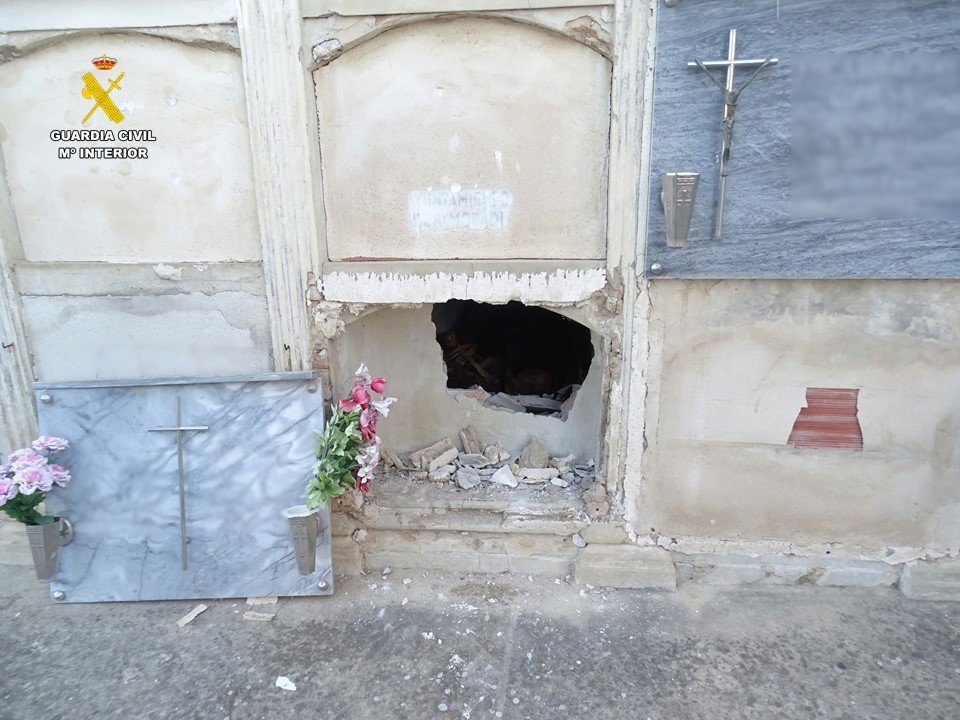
484,647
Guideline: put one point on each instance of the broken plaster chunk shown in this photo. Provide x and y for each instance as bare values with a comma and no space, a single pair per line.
359,535
467,478
443,459
502,401
421,459
471,443
473,460
579,541
391,457
538,475
496,454
442,473
260,616
503,476
595,493
560,482
535,455
563,464
419,475
190,616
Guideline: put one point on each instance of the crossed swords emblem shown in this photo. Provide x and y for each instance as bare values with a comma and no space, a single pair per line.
93,90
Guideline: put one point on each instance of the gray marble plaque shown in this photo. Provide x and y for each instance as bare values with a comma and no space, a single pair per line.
239,476
867,94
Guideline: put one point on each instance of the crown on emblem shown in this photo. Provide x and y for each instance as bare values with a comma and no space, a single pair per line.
104,63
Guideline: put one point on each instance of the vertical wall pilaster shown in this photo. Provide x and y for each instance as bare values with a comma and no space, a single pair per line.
633,22
279,111
18,420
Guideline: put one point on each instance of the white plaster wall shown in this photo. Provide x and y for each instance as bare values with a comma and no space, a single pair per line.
400,343
458,106
192,199
87,338
730,363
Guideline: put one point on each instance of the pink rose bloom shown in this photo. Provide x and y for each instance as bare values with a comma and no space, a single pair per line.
49,443
7,490
26,458
59,475
347,405
378,384
30,480
360,395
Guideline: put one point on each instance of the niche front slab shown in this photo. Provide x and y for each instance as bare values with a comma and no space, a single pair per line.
147,531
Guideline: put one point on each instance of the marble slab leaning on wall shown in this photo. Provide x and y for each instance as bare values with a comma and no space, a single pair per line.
250,463
845,154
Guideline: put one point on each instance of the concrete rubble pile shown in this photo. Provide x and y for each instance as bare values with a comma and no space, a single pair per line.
478,463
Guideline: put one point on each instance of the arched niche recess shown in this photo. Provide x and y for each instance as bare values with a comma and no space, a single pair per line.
473,138
190,199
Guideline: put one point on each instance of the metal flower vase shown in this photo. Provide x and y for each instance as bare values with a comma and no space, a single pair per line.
305,528
45,542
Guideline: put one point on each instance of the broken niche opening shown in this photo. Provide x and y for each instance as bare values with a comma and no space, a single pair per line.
513,357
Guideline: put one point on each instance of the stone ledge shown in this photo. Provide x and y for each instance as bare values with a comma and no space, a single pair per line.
731,569
471,521
626,566
461,562
931,580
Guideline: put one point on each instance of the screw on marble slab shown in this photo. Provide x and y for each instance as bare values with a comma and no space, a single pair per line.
656,268
46,399
59,595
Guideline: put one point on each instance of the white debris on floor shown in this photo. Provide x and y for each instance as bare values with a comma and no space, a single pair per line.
190,616
285,683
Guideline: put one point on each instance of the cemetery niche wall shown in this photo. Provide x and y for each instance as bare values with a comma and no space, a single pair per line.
842,150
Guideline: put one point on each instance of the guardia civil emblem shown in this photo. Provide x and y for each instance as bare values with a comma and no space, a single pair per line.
93,90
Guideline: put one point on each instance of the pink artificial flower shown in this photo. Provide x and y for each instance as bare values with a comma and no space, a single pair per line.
360,395
48,443
378,385
26,458
368,423
30,480
59,475
8,489
347,405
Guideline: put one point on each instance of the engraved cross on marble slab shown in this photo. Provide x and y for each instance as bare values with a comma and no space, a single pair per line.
180,430
730,98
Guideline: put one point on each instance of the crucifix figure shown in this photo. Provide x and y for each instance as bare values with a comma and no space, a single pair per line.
180,430
730,98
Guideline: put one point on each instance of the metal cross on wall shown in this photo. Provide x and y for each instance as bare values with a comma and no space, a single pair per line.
180,430
730,98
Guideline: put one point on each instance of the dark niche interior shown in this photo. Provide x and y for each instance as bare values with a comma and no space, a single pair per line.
514,356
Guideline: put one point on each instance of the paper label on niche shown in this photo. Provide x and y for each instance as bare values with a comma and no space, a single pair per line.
478,209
